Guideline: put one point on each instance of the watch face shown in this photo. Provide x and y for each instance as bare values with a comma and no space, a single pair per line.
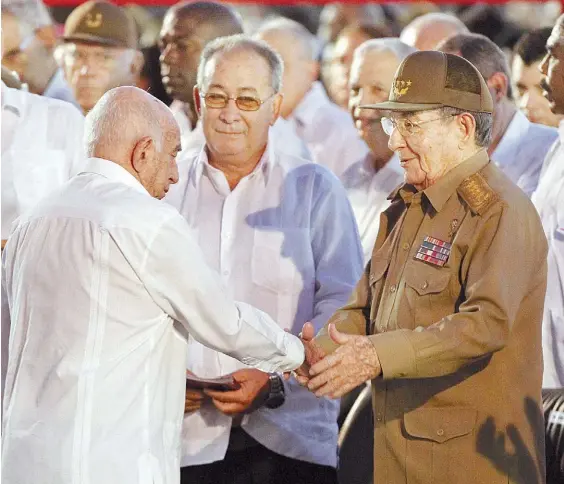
275,401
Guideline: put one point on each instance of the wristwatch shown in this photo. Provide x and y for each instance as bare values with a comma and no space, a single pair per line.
276,392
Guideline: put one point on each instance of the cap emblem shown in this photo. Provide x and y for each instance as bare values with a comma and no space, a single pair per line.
93,21
401,87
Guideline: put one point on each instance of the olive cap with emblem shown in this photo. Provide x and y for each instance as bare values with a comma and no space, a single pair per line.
102,23
431,79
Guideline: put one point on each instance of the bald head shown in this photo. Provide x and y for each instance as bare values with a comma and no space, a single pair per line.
336,16
426,31
138,132
298,48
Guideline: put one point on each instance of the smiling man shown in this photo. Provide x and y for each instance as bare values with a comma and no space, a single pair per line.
281,233
446,321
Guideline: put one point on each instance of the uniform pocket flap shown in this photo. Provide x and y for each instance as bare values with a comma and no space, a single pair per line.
378,267
440,424
426,280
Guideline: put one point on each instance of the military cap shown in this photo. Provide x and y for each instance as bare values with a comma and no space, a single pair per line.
431,79
100,22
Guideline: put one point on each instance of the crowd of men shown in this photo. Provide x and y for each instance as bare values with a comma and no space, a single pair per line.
190,284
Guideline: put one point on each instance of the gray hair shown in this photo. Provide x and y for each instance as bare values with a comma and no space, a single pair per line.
117,117
487,57
309,44
484,124
387,44
432,18
243,42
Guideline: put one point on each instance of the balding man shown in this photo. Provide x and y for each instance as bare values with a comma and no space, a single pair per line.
281,233
371,179
518,146
13,57
427,31
103,283
326,128
187,28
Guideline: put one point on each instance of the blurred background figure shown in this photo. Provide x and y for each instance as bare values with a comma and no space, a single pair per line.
371,179
518,146
527,56
326,129
41,73
99,51
13,57
426,31
337,84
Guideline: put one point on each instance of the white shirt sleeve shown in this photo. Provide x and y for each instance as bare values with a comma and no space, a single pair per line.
337,249
190,292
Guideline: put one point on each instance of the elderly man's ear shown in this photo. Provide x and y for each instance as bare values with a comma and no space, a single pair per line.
498,84
276,107
143,154
467,128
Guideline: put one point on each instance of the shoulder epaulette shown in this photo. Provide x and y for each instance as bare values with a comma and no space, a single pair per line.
477,193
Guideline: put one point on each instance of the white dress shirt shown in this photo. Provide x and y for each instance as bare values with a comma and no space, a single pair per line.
193,139
368,192
285,241
521,151
42,147
103,284
549,200
328,131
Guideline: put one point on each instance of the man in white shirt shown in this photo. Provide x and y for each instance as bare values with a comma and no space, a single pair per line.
372,179
41,149
103,285
518,146
549,201
327,129
281,233
187,29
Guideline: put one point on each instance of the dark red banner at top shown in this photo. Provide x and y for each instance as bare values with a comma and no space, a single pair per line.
154,3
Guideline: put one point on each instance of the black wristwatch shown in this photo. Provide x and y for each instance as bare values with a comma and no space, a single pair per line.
276,393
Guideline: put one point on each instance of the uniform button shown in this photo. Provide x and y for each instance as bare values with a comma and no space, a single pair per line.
440,432
378,417
405,246
425,285
225,273
227,235
393,288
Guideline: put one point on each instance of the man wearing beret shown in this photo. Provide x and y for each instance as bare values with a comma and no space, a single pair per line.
445,321
99,51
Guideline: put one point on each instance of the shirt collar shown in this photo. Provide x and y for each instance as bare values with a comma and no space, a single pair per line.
12,100
440,192
312,101
511,140
264,166
112,171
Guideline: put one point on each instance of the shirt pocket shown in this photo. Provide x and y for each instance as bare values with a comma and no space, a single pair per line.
440,444
428,293
378,268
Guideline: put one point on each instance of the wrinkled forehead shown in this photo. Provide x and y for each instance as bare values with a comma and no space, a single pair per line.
237,69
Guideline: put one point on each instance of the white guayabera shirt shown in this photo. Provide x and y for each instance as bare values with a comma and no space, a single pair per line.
285,241
549,201
103,283
42,148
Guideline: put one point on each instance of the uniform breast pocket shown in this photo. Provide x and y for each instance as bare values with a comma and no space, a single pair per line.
428,293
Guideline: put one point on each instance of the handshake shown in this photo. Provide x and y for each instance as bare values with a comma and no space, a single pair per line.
351,364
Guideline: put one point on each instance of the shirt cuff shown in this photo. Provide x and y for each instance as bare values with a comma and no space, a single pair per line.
293,358
396,354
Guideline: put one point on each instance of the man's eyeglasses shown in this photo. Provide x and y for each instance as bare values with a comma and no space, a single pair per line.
406,126
215,100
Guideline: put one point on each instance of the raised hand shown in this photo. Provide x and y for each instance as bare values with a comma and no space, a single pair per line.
353,363
313,354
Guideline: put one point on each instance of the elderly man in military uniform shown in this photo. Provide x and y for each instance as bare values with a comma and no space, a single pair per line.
446,318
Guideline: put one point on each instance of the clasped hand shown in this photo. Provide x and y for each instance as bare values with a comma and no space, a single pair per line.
351,364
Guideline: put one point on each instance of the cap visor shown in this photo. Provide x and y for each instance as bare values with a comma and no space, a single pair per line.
91,39
395,106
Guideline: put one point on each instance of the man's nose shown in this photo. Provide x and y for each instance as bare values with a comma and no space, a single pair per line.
396,140
230,112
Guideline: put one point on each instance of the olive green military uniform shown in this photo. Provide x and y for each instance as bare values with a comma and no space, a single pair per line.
452,300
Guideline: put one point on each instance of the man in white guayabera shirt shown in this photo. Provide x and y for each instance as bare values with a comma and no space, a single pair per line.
103,284
282,235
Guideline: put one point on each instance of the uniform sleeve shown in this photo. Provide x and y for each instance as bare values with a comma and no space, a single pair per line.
191,293
505,264
351,318
337,251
